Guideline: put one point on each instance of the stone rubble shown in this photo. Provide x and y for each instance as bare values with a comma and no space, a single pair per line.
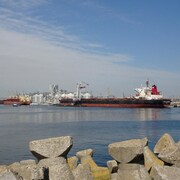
150,160
131,160
51,147
127,151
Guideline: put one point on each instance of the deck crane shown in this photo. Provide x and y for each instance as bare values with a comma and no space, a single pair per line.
80,85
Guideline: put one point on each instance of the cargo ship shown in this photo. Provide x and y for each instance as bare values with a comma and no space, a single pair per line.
145,97
17,100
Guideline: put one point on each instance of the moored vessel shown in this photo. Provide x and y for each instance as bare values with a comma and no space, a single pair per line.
17,100
145,97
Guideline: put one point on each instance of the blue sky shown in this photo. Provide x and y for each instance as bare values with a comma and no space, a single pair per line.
112,45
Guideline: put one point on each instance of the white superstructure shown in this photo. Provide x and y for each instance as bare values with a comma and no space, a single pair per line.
148,93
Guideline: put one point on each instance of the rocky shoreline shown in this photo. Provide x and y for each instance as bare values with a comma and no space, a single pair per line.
131,160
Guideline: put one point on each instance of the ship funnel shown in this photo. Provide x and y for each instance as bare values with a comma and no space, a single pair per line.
154,90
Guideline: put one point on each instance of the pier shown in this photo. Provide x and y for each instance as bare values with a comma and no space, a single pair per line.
175,102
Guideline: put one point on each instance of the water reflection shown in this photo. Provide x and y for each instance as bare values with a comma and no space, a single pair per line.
110,114
90,127
145,114
52,114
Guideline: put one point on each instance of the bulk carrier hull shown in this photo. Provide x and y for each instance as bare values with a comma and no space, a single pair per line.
117,103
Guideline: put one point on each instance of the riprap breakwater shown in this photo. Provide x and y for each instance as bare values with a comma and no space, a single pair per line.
131,159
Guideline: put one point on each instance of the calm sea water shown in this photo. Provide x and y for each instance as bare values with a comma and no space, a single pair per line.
90,128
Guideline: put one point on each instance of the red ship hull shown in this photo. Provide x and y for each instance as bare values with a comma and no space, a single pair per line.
12,101
124,105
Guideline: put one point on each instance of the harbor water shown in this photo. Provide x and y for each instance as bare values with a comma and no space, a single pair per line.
92,128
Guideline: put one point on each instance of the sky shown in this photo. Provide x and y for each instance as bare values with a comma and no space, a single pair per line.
114,46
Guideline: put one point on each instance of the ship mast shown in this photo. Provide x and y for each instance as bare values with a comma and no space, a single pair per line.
147,83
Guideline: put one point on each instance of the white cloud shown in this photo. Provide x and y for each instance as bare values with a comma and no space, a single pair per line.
31,64
22,3
16,21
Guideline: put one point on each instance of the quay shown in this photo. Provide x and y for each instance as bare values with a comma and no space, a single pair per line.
175,102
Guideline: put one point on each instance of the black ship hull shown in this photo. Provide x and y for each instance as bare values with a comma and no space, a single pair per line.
117,102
